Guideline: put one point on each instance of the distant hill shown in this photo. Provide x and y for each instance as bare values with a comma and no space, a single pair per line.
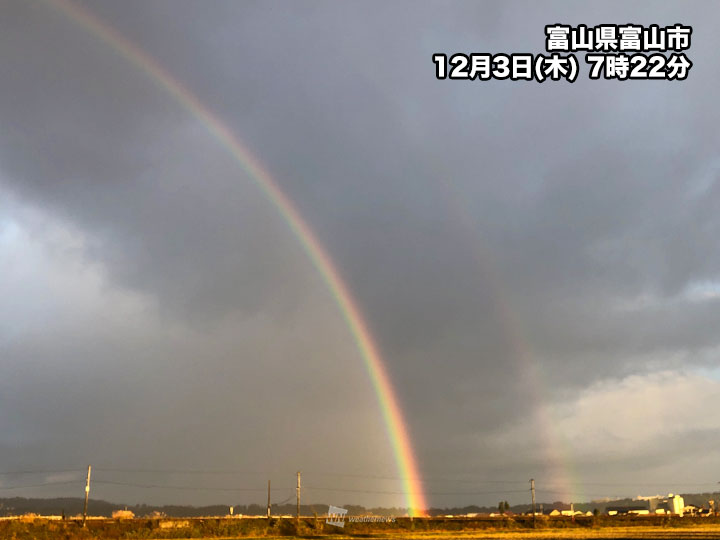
71,506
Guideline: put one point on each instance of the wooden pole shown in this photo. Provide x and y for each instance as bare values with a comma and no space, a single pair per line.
297,513
87,495
532,492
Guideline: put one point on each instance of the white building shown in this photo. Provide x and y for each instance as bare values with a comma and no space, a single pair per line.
677,504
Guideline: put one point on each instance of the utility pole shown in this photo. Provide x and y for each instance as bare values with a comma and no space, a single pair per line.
532,492
297,515
87,495
268,509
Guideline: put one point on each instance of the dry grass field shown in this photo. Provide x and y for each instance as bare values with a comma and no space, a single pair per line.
316,528
600,533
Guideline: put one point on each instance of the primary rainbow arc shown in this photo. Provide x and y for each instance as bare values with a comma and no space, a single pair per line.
392,414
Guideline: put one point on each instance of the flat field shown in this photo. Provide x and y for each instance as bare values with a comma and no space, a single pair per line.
519,528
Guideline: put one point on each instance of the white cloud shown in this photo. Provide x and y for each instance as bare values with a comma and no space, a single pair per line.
636,413
630,419
703,290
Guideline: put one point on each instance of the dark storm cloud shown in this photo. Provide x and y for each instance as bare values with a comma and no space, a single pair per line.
484,228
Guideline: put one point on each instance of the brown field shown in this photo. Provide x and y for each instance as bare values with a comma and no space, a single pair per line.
517,528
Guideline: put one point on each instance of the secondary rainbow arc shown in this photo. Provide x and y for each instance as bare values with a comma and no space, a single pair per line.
392,414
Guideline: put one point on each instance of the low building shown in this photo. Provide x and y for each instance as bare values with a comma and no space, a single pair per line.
629,509
678,504
123,514
672,504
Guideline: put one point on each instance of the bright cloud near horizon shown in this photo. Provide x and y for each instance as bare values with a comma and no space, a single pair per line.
537,262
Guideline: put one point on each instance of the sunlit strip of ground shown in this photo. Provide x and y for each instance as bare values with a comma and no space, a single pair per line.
659,533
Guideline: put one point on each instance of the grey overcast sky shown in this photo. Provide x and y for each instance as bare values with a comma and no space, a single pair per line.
539,263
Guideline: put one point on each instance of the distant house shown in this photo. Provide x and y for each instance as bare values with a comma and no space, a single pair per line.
557,512
672,504
123,514
678,504
625,510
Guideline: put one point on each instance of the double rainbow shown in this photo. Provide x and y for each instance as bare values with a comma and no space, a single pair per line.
392,415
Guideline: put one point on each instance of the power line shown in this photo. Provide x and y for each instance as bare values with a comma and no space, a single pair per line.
165,486
178,471
552,487
290,498
341,490
643,484
381,477
424,480
551,492
4,488
311,473
8,473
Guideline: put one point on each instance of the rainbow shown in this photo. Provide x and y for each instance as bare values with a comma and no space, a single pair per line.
558,477
392,414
